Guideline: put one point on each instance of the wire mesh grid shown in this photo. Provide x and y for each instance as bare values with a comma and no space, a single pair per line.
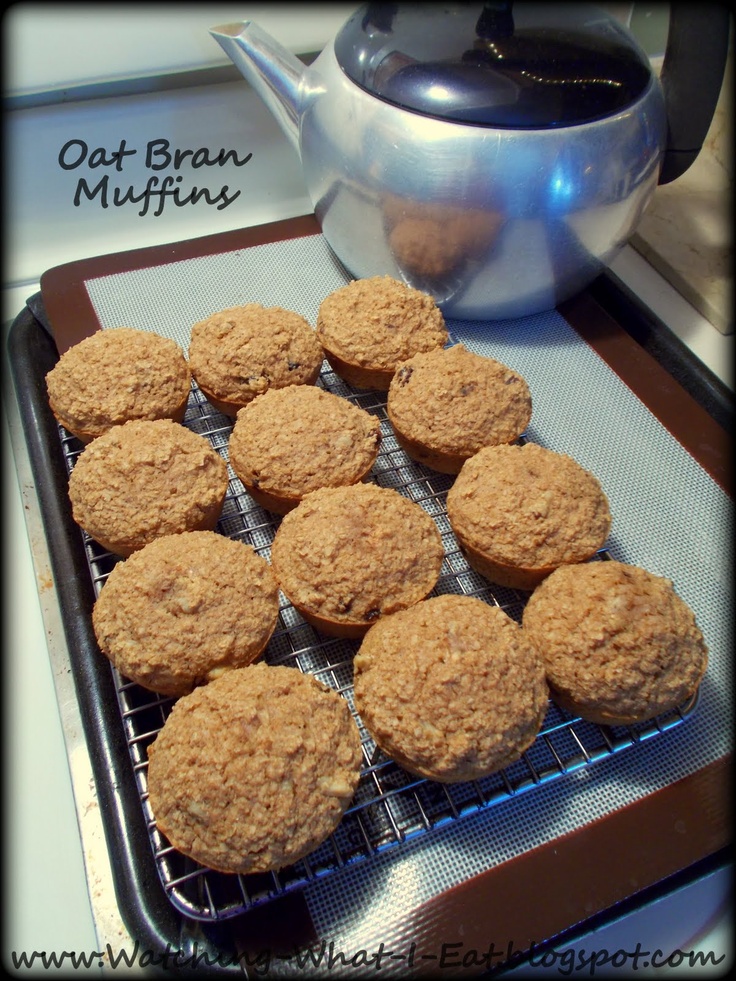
390,805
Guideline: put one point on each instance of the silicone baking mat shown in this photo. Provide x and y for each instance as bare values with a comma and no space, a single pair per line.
390,806
669,515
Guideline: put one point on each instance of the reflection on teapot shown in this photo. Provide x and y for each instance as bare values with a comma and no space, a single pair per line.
433,244
464,146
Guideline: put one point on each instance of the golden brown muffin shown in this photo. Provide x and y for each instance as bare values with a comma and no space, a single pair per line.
445,405
145,479
520,511
451,688
346,556
184,609
370,326
618,644
291,441
239,353
254,771
115,375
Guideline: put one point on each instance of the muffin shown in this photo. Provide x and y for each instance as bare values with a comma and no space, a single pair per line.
115,375
451,688
239,353
346,556
368,327
185,609
146,479
520,511
618,644
254,771
291,441
445,405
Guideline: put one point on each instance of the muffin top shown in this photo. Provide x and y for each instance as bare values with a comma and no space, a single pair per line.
241,352
353,554
184,609
294,440
618,643
451,688
455,402
379,322
115,375
529,507
253,771
145,479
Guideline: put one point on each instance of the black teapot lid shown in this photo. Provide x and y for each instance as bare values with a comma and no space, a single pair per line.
520,65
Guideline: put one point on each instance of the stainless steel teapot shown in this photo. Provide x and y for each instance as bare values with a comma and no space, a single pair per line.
497,156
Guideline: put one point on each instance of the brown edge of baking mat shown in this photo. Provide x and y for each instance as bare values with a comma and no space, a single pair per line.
517,907
67,304
688,421
666,831
652,333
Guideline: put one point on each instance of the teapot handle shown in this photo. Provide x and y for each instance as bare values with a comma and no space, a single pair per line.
691,77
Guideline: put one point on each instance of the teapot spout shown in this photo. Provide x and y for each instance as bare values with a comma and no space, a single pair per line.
272,70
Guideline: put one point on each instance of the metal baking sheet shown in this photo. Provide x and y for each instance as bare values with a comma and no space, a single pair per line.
391,810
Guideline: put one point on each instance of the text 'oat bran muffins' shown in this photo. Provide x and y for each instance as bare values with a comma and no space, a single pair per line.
255,770
619,645
451,688
368,327
115,375
520,511
184,609
445,405
346,556
145,479
239,353
291,441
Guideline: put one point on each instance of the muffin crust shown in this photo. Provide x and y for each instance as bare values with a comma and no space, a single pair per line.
185,609
451,688
618,643
368,327
291,441
254,771
239,353
520,511
445,405
145,479
115,375
349,555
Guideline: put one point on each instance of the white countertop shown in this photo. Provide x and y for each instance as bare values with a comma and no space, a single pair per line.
59,892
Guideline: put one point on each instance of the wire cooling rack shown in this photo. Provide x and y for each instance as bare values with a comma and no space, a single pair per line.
390,805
